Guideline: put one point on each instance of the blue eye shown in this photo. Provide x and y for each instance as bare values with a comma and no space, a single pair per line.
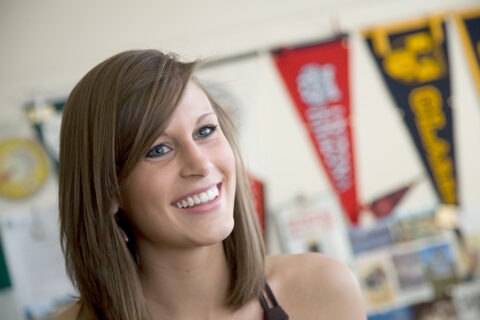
158,151
205,131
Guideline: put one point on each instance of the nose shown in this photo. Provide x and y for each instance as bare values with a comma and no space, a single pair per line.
195,160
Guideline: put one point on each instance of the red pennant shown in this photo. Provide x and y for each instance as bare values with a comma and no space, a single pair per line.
384,205
317,78
259,199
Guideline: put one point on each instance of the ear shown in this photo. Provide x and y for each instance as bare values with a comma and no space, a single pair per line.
115,206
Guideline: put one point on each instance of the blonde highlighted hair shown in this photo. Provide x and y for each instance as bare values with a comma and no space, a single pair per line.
111,118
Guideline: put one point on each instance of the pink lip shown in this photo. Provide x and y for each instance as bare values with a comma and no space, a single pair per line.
197,191
204,207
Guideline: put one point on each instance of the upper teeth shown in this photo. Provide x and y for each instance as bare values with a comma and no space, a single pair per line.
202,197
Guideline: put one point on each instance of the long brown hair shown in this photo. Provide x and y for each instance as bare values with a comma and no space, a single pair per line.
110,119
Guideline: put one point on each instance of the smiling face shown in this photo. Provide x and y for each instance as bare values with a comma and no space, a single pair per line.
181,194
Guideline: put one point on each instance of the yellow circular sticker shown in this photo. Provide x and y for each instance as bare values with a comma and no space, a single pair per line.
23,168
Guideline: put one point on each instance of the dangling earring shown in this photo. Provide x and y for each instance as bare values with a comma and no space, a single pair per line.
122,232
124,235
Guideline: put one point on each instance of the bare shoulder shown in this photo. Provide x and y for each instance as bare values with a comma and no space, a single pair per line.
314,286
71,313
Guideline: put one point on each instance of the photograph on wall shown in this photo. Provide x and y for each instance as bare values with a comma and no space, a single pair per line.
377,279
441,308
366,238
410,272
466,297
439,264
413,285
403,313
416,225
472,255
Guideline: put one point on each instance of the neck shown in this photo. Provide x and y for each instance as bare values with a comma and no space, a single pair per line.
186,283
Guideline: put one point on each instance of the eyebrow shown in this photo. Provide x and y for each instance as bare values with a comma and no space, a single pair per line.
203,116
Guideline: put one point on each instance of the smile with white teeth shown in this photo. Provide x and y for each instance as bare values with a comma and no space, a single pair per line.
200,198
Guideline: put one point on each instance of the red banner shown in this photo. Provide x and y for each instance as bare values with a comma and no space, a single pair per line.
317,78
384,205
258,193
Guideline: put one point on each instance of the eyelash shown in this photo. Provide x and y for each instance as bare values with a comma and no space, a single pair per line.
152,152
210,127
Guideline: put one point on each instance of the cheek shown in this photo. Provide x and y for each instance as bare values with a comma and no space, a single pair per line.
146,209
227,159
228,163
144,194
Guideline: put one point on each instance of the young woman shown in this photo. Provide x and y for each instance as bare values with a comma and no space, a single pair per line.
156,214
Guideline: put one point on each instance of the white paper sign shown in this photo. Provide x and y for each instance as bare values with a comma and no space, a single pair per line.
35,260
315,224
467,300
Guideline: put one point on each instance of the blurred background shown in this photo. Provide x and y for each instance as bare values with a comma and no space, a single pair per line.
359,124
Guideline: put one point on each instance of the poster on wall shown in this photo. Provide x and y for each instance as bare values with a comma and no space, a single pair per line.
313,224
439,264
415,225
46,118
410,272
468,23
368,238
35,261
441,308
413,283
471,249
466,297
402,313
377,278
413,60
4,277
316,77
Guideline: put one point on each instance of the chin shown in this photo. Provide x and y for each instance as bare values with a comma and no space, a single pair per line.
216,235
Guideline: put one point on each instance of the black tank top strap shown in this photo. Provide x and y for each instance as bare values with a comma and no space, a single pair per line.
275,312
264,303
270,295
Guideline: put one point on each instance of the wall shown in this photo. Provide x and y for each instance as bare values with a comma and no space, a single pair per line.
48,45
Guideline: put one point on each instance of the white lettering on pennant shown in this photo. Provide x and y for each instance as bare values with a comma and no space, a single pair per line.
318,88
329,127
316,84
